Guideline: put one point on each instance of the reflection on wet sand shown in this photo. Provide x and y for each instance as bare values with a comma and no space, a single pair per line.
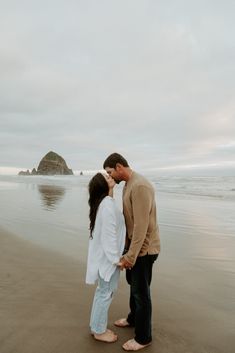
51,195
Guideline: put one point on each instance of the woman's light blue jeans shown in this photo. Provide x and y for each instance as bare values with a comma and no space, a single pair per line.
101,303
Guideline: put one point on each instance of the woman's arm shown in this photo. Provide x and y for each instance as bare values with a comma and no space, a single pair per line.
108,232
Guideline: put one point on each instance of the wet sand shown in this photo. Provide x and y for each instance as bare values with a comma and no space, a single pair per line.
45,306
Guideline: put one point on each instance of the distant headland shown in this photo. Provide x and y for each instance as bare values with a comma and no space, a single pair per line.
50,164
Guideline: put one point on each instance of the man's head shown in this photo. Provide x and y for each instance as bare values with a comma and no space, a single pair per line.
116,166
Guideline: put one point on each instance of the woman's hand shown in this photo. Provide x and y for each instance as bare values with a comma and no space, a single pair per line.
124,264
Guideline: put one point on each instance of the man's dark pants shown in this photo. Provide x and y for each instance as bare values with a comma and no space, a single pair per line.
139,278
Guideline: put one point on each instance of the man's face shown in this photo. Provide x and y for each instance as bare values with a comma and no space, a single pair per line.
114,173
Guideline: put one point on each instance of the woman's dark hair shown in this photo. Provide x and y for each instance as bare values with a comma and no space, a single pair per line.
112,160
98,189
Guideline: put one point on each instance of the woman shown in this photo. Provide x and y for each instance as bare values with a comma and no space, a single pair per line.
106,244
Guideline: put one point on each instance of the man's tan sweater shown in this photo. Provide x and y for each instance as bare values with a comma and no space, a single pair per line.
140,214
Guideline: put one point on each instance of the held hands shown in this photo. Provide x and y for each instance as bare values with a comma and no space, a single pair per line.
124,264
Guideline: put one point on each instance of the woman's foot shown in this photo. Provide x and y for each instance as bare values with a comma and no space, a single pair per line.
121,323
108,336
132,345
107,330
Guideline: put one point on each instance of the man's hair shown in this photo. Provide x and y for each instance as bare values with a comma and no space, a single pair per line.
112,160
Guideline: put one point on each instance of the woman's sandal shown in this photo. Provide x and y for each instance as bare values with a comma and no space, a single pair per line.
121,323
132,345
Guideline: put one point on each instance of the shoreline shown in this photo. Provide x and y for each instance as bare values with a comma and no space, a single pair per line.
45,307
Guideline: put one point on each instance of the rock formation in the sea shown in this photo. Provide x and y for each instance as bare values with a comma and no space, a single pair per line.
50,164
34,172
24,173
53,164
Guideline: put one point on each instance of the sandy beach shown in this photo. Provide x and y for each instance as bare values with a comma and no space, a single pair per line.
44,302
45,307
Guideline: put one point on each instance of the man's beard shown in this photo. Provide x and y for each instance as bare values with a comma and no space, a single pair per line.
116,181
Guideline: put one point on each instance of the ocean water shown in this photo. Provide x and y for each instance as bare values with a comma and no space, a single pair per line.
49,211
212,187
52,211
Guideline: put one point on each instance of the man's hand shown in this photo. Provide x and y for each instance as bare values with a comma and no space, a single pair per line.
124,264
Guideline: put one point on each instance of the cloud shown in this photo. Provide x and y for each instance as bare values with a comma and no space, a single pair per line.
152,80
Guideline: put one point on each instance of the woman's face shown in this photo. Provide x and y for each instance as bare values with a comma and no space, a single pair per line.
110,181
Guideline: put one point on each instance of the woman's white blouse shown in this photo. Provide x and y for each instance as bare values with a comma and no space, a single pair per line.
107,243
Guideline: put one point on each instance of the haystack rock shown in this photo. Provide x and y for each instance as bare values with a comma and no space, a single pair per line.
53,164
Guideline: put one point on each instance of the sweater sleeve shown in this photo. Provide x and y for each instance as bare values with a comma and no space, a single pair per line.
141,206
108,233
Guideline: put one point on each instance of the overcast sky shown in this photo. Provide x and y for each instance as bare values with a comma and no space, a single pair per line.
151,79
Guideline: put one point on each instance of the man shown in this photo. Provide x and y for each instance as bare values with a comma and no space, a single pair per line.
142,247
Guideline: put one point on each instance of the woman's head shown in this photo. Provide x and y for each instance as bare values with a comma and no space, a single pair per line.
99,187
